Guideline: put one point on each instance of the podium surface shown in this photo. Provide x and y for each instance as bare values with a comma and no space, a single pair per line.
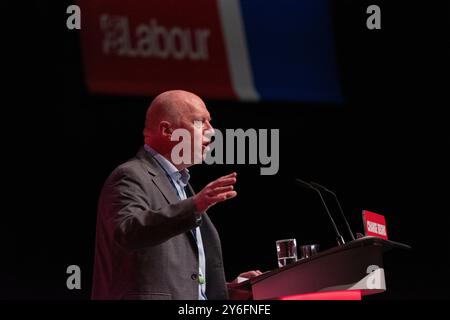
356,266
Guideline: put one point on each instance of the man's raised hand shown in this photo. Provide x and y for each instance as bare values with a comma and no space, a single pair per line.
216,191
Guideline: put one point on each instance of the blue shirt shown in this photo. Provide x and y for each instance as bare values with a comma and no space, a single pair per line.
179,180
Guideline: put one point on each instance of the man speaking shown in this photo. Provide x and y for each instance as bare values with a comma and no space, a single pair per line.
154,239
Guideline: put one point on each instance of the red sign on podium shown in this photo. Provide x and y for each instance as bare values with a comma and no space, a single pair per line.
374,224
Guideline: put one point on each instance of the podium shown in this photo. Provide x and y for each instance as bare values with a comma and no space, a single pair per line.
346,272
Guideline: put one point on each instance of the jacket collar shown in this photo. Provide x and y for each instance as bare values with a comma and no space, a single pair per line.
158,175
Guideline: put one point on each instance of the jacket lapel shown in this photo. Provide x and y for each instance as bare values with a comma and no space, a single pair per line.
161,181
158,176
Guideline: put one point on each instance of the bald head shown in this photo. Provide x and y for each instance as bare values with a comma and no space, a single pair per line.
170,106
171,110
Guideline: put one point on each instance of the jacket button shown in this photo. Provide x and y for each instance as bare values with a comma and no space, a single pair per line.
194,276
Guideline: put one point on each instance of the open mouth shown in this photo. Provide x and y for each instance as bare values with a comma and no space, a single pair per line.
205,145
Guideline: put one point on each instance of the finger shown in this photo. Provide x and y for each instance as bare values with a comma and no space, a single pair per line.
224,196
218,190
218,180
221,183
231,175
229,195
250,274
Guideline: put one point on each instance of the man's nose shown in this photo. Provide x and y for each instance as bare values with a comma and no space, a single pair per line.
208,130
208,127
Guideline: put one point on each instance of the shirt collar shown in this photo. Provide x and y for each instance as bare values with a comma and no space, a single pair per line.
181,176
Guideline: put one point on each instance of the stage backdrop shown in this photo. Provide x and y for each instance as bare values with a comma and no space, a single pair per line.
245,50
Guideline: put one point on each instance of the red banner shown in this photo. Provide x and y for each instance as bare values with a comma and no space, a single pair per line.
146,47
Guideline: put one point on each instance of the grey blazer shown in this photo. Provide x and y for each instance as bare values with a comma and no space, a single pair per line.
144,247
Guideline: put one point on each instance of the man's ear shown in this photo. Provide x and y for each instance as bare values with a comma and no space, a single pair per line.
165,129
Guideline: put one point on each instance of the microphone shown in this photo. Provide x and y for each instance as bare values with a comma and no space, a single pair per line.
339,238
315,184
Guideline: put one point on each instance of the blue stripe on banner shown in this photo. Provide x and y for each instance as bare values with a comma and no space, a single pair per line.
291,49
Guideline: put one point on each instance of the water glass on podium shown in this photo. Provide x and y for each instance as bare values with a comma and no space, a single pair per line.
309,250
286,252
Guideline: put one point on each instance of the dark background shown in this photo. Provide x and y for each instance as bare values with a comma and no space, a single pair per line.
384,149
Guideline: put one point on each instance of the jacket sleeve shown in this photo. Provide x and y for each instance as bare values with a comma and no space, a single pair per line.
135,225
